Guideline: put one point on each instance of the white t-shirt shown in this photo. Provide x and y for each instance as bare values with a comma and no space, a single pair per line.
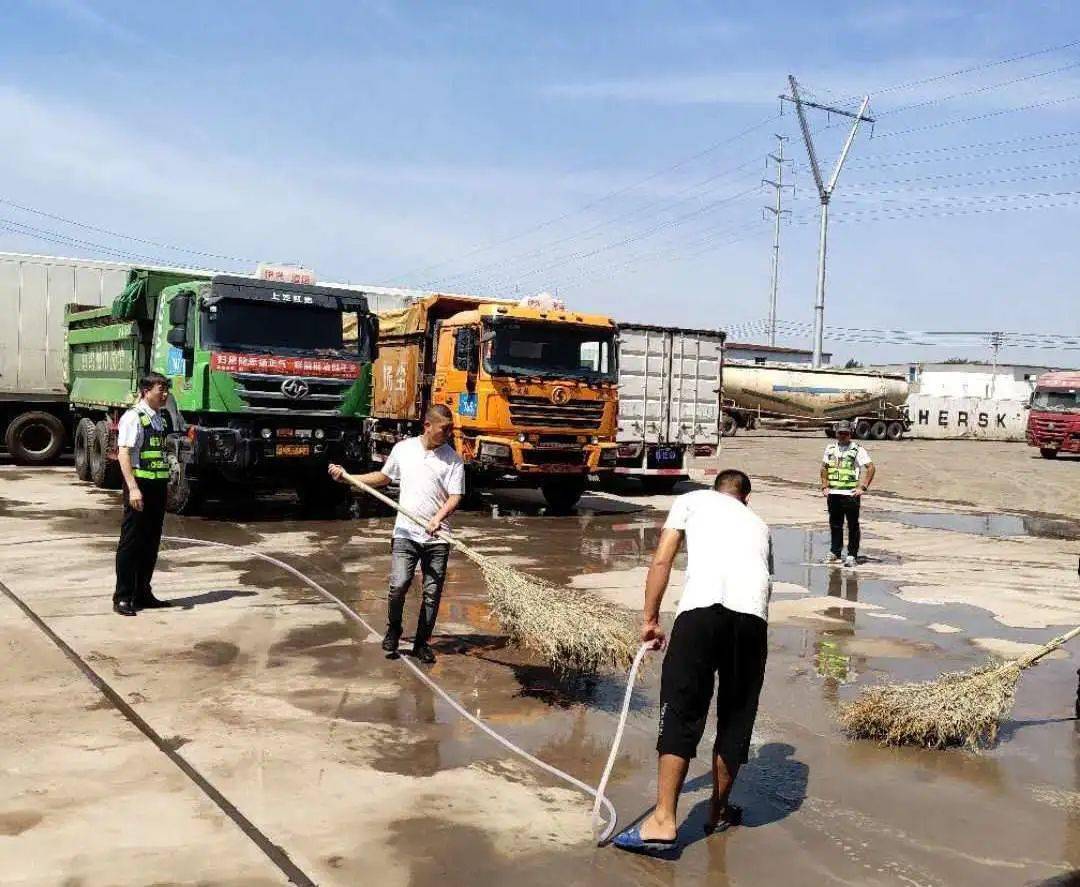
836,450
728,551
129,431
427,479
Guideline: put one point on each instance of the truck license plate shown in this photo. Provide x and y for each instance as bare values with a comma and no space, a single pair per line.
292,450
666,454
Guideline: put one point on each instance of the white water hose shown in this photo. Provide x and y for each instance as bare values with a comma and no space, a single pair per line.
601,835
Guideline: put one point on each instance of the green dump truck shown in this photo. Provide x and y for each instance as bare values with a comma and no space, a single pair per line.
265,388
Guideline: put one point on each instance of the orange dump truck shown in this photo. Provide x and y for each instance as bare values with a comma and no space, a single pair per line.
533,389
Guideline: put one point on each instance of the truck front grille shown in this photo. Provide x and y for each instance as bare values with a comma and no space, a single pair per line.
583,414
264,394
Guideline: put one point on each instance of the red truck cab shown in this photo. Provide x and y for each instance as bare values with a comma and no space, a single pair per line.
1054,417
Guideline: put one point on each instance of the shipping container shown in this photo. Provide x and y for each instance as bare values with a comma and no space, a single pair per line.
669,405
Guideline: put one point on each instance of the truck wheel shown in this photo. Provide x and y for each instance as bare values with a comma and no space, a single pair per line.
895,431
878,430
563,494
104,473
655,485
830,431
862,429
1048,453
84,433
34,438
183,494
729,426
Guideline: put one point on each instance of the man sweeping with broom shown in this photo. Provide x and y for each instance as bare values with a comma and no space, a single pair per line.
720,631
432,479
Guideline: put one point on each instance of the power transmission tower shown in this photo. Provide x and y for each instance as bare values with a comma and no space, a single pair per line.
777,212
825,190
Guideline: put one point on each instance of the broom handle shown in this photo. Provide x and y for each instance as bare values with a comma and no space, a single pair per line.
386,500
1048,648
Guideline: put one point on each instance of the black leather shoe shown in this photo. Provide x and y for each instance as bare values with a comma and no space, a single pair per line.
424,653
124,608
390,641
152,603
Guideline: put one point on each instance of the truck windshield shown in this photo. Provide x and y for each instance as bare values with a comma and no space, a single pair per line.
246,325
1056,400
559,351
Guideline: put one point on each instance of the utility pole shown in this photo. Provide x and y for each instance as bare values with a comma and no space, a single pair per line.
996,340
825,191
777,212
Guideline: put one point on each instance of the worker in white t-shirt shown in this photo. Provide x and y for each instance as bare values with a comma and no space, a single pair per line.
720,631
431,476
846,473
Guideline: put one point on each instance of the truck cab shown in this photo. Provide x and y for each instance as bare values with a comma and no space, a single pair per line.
266,389
533,389
1054,414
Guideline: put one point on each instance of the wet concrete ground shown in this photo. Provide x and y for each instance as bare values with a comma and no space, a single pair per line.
354,769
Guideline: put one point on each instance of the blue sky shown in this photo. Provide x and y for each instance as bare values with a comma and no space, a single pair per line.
588,148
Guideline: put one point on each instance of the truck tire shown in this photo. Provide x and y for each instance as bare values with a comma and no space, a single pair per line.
104,473
34,438
878,430
895,431
183,495
729,426
830,431
563,494
653,484
84,433
1048,453
862,429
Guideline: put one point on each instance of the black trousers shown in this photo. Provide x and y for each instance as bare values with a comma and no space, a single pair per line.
140,538
405,555
841,508
712,646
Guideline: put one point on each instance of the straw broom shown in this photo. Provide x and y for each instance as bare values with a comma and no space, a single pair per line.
959,708
572,630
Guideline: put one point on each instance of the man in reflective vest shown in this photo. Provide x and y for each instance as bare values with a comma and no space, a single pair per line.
141,451
846,473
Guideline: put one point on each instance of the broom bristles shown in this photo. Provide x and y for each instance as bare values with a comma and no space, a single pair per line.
572,630
958,708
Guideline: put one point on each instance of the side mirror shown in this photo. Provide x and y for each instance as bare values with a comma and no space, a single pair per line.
367,344
179,308
465,350
177,336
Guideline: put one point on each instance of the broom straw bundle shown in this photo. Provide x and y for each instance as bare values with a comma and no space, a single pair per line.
958,708
571,630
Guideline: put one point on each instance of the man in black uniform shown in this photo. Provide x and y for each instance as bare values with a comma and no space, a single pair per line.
141,450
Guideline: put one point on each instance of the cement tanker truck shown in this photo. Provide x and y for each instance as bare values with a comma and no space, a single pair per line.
798,397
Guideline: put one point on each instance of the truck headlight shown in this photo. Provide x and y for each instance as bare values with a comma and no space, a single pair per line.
494,450
522,437
266,434
319,434
594,440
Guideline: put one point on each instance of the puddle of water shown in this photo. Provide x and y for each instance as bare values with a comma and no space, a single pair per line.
998,525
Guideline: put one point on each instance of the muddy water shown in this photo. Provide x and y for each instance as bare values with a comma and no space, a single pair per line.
819,809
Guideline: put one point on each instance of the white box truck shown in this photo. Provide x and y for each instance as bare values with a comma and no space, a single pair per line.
669,402
34,414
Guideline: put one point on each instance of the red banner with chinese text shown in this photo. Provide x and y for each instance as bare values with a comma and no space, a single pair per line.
232,362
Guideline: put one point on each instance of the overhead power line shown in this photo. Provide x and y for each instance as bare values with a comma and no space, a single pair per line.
154,243
715,146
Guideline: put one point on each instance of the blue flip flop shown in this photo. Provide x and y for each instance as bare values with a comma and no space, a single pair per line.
631,840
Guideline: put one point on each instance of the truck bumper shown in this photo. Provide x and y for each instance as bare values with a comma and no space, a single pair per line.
510,456
652,460
268,449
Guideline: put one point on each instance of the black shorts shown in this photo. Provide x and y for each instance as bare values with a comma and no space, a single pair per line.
707,642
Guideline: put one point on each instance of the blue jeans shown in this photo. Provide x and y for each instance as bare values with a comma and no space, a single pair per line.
405,555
